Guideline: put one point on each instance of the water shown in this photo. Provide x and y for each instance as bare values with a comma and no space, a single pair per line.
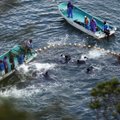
65,92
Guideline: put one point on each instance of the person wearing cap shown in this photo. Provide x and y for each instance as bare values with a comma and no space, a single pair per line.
2,68
29,46
86,22
106,29
69,9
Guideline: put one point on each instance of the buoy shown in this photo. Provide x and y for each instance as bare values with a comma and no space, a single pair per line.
53,45
89,46
58,44
94,47
79,44
84,45
64,44
48,46
102,49
75,44
45,48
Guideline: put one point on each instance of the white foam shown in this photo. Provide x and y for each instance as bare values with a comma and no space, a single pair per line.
23,67
14,92
36,66
45,66
29,91
95,53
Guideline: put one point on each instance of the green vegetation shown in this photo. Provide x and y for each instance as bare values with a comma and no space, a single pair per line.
106,100
9,112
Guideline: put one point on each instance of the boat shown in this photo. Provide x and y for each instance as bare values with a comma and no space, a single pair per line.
16,51
78,21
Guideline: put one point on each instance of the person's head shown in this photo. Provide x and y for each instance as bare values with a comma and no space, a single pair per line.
85,58
1,61
5,57
30,40
69,2
85,17
78,61
104,22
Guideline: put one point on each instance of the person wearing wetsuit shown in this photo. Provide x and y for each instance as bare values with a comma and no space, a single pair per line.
89,69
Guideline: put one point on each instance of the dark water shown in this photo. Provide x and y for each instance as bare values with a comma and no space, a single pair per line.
65,92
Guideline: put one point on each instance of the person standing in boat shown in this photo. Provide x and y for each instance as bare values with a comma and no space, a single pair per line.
93,25
29,47
2,68
69,9
106,29
86,22
11,59
5,62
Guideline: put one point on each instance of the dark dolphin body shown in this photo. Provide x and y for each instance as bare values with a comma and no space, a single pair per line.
89,69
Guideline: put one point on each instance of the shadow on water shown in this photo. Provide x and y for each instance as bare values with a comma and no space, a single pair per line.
9,81
54,111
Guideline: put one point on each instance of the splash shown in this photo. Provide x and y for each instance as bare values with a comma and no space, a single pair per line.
95,54
29,91
36,66
14,92
41,66
23,67
33,70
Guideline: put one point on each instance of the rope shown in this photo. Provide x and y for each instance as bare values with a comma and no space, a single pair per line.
77,45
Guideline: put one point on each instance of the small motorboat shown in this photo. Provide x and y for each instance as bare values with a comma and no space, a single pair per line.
78,21
16,51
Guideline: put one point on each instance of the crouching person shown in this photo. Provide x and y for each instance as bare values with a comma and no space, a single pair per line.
29,47
21,57
106,29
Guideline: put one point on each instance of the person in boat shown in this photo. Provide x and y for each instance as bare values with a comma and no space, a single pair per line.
93,25
11,59
86,22
69,9
21,57
106,29
2,68
5,62
28,47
